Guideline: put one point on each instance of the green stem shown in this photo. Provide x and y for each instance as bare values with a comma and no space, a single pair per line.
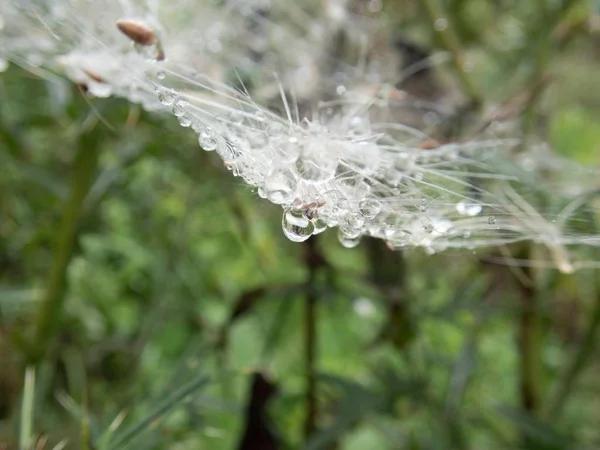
530,346
50,312
313,261
449,41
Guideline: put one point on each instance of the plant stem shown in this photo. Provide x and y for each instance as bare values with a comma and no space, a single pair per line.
49,315
448,40
530,345
313,261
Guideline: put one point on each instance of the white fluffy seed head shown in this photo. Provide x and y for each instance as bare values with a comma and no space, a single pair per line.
330,143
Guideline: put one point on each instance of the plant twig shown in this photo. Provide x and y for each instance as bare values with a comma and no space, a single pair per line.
449,41
51,306
313,261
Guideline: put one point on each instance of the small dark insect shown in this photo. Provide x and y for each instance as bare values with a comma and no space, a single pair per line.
310,210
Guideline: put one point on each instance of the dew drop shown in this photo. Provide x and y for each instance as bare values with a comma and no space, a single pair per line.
296,226
348,241
151,52
279,186
369,208
314,169
465,208
179,107
184,121
428,228
166,97
228,152
207,141
320,225
492,220
440,24
160,75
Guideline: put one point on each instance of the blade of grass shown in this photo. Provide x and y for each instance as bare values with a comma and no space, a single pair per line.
158,411
26,427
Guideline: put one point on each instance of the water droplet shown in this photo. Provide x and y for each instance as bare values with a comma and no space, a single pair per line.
354,221
207,141
440,24
418,176
320,225
179,107
100,90
369,208
466,208
423,208
296,226
228,152
340,90
184,121
152,52
166,97
428,227
3,62
348,240
160,75
279,186
316,167
492,220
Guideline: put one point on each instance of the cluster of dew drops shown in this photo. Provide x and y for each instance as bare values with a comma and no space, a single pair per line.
314,179
320,178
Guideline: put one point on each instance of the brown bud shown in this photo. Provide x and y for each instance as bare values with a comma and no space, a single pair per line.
139,33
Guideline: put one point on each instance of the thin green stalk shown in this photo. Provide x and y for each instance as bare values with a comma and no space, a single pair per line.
26,426
50,312
580,359
530,346
313,261
449,41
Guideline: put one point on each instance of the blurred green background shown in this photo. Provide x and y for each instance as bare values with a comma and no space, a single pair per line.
149,300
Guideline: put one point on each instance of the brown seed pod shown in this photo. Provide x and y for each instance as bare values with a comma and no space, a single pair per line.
94,76
139,33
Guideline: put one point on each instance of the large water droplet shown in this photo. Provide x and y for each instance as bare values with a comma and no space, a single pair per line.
279,186
466,208
296,226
